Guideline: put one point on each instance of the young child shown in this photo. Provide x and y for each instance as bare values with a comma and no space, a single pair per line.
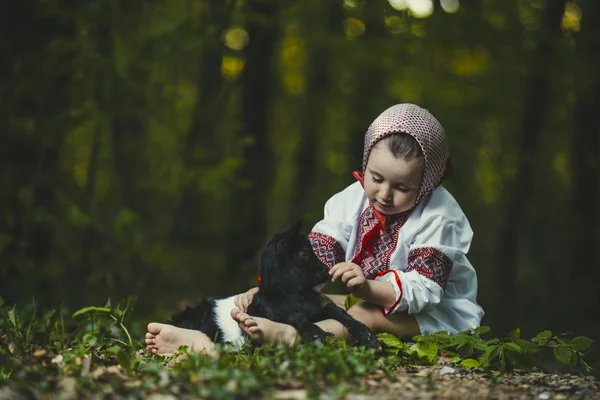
396,239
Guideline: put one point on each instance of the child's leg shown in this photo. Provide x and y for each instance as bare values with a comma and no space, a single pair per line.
402,325
279,333
165,339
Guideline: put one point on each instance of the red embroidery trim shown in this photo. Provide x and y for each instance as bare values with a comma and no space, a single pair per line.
430,263
327,249
399,286
374,248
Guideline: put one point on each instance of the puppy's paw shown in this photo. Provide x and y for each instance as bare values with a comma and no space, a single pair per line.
323,337
312,332
370,341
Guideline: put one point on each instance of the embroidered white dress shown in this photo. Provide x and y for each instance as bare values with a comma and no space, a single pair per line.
422,253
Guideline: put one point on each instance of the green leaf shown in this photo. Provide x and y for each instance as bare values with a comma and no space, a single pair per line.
455,360
482,330
90,339
5,375
585,365
581,343
563,354
573,360
528,347
118,314
12,317
513,335
88,310
545,335
470,363
484,359
512,347
493,352
426,350
392,341
46,320
350,301
124,358
115,349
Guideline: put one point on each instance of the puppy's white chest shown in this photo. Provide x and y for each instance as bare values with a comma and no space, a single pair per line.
227,325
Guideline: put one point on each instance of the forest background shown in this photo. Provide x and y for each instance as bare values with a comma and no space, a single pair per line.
150,147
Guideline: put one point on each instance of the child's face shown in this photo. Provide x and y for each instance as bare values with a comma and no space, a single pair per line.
391,184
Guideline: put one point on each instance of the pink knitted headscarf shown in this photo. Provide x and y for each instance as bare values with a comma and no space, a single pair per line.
429,133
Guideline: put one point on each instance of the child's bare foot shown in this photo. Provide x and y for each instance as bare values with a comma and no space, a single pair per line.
265,330
166,339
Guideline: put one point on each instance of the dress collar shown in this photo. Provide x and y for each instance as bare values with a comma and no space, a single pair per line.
383,219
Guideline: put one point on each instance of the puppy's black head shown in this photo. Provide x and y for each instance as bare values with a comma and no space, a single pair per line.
288,261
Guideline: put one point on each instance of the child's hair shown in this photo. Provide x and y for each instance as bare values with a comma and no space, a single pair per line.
403,145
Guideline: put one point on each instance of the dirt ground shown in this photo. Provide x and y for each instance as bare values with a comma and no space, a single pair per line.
447,382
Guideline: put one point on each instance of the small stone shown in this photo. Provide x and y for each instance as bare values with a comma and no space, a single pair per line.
58,359
39,352
446,370
290,395
158,396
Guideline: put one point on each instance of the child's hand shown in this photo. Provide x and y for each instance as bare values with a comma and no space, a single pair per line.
350,274
243,300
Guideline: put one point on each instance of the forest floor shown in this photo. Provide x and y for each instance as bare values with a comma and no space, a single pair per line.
422,382
445,381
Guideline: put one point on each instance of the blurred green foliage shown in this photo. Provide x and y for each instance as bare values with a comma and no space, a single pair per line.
87,354
150,147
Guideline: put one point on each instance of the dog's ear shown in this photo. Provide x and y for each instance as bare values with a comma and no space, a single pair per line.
295,229
289,236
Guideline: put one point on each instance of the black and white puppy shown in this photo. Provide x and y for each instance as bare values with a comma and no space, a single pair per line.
289,271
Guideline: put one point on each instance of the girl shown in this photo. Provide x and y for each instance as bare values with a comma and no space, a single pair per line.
396,239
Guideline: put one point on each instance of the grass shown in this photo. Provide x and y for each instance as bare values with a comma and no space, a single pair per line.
94,351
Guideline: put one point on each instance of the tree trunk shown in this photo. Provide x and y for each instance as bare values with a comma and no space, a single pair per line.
370,96
205,119
535,107
323,27
85,268
585,158
29,149
248,230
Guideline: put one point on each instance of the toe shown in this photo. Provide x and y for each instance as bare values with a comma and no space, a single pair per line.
154,328
242,316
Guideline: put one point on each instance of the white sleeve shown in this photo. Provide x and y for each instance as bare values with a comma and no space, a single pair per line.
439,247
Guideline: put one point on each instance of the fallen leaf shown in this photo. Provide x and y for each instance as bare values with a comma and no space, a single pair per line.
57,359
39,352
299,394
447,370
